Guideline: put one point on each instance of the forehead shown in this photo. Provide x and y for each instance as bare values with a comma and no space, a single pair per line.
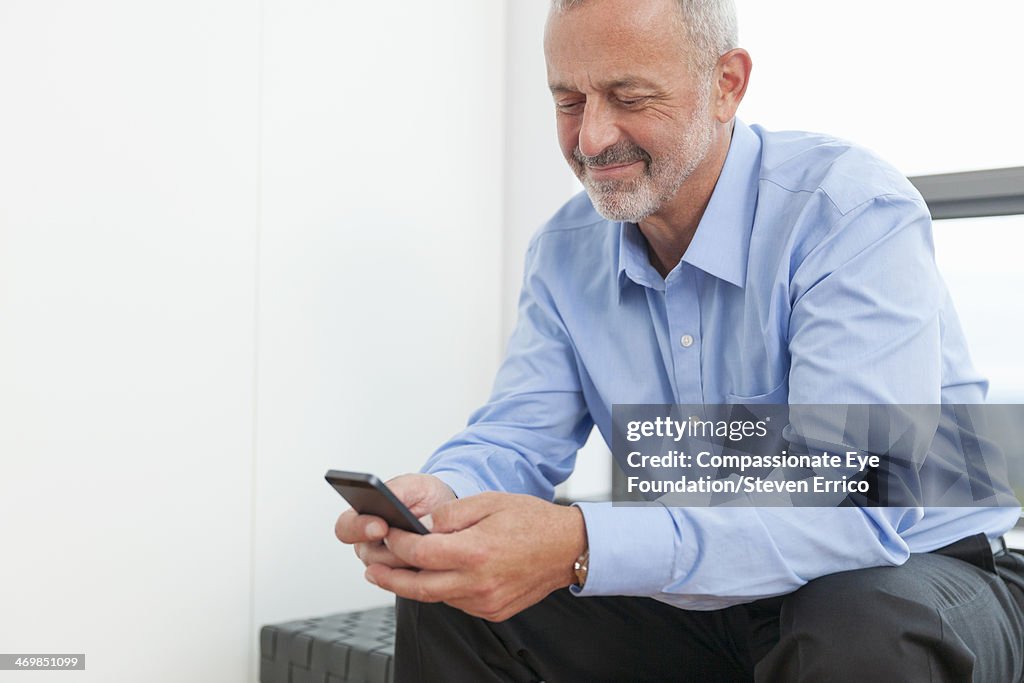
602,43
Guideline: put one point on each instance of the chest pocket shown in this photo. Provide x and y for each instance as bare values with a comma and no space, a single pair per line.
780,394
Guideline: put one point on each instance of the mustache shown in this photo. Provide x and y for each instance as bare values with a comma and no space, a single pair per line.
621,153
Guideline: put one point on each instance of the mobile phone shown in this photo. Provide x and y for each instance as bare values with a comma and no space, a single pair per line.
368,495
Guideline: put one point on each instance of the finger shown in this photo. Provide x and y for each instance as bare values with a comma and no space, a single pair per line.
378,553
432,551
355,528
412,491
459,514
421,493
424,586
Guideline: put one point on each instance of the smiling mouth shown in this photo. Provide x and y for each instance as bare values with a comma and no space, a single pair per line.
613,170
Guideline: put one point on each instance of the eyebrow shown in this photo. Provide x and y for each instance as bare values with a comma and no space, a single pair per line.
624,83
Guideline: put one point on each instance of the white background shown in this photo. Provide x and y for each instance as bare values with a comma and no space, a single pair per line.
244,242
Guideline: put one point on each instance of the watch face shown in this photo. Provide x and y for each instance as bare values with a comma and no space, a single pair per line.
580,568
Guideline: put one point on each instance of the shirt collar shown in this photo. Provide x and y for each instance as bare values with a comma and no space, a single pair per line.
721,245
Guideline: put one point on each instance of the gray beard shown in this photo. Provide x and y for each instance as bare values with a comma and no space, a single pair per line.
634,200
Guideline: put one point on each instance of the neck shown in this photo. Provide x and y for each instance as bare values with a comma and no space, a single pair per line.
670,230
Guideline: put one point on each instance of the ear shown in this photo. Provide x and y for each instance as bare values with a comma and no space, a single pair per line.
732,74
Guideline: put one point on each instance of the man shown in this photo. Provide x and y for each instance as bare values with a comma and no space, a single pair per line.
707,262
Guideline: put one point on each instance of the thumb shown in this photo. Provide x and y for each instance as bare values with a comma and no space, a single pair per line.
460,514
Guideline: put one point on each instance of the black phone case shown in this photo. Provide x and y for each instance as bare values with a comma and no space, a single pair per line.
368,495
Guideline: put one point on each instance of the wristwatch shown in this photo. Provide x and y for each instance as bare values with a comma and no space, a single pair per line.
580,568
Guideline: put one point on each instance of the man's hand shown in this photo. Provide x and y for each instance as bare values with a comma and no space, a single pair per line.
421,493
491,555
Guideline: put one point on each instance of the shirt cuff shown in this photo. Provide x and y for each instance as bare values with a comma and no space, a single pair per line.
461,485
632,549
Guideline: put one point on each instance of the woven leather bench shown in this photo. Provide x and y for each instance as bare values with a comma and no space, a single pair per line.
352,647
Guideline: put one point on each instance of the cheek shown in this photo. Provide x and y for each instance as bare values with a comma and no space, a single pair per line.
656,141
645,135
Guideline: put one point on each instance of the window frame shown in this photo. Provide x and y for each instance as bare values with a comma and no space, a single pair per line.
973,194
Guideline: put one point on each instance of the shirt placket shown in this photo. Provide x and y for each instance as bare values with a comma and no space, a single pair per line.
682,304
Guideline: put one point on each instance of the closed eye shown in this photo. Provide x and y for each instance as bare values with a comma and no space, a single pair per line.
631,101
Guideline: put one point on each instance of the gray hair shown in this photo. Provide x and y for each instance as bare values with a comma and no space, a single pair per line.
710,25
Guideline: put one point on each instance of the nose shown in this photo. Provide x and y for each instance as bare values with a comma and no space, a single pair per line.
599,129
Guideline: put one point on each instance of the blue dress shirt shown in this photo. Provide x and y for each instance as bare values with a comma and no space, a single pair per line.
811,279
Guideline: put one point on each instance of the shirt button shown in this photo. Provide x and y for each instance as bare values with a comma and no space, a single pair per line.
686,340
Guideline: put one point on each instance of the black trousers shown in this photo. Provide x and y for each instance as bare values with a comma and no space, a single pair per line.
936,618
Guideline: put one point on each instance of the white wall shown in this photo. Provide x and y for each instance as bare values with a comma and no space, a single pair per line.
239,244
128,168
380,265
925,84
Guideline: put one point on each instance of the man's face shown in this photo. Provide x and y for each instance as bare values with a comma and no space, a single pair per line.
634,121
